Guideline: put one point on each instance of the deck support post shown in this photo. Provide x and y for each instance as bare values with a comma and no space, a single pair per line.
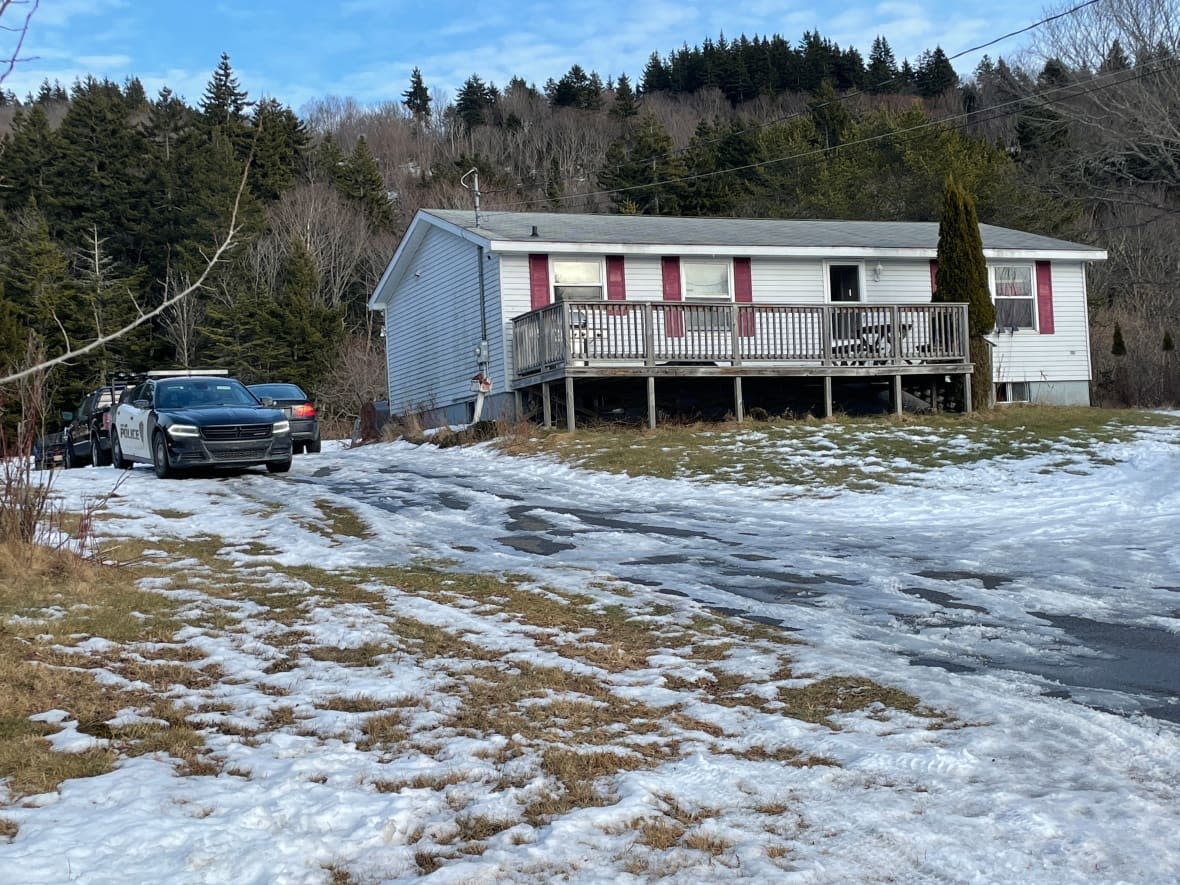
827,396
966,394
569,404
651,401
546,405
739,406
517,405
898,405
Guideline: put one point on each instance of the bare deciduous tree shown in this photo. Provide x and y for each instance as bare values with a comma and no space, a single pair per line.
181,321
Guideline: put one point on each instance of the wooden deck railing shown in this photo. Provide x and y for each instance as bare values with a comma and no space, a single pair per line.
650,333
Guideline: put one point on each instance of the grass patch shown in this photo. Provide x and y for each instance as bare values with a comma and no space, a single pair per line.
819,701
364,655
8,829
798,453
577,773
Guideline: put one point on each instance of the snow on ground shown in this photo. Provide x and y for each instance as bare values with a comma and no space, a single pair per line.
993,591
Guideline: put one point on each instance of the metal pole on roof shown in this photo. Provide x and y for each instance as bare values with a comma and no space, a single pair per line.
474,172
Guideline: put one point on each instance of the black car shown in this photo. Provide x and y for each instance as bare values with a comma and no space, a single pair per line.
198,421
299,409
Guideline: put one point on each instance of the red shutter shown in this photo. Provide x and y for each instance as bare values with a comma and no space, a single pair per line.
933,275
673,319
1045,297
539,280
616,283
743,291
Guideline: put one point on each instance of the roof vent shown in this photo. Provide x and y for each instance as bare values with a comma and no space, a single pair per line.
534,233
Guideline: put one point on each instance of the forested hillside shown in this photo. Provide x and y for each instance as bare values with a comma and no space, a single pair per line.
111,199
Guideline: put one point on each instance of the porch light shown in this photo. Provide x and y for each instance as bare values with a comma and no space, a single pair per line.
877,272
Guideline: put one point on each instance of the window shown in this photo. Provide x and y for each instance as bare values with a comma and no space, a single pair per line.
1012,392
707,282
577,279
844,282
1012,288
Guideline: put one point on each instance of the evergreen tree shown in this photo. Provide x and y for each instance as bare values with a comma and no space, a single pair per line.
278,150
417,99
625,104
362,183
1118,347
1115,60
12,333
327,162
882,70
830,117
642,169
935,74
28,152
224,103
95,180
656,76
962,277
475,102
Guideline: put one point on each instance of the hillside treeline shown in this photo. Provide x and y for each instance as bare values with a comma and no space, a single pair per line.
112,199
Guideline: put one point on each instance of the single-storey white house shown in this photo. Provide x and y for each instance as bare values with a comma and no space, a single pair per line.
539,310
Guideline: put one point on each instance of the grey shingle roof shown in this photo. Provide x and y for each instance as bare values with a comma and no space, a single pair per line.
555,227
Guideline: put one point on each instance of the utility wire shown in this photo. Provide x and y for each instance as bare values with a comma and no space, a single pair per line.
856,93
1116,78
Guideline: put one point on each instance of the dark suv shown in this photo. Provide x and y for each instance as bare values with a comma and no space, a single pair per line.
87,433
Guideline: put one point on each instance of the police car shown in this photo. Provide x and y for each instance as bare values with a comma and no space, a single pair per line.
175,422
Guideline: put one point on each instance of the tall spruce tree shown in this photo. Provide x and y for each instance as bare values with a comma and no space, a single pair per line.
625,105
417,99
962,277
362,183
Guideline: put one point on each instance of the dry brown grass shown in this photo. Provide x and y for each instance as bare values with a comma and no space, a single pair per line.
8,829
382,730
66,600
364,655
435,781
577,773
818,701
660,834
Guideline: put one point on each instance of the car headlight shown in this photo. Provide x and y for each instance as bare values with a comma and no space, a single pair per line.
188,431
282,427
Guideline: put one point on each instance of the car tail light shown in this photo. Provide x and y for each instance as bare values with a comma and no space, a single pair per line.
106,420
307,410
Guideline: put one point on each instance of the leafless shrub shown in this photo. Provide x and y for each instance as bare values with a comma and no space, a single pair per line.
357,377
27,512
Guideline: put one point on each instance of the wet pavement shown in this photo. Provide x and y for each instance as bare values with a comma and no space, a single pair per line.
891,589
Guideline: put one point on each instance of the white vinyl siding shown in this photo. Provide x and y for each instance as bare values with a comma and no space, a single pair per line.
1064,355
1025,355
432,326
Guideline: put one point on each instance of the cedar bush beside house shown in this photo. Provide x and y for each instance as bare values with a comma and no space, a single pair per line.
962,277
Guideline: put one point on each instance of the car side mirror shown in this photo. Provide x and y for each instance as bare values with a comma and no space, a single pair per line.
67,417
268,401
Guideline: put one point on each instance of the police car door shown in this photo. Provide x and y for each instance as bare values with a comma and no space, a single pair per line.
131,421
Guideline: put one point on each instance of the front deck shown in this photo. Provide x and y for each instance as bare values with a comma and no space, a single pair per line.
673,339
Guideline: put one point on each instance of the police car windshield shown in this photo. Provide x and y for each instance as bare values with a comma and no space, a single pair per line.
196,393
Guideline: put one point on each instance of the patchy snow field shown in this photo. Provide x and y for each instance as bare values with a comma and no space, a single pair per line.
967,678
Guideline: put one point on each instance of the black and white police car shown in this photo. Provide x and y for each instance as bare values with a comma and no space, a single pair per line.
198,420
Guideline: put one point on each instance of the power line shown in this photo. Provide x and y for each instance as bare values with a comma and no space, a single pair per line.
856,93
1116,78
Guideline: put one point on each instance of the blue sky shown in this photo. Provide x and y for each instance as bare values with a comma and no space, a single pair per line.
298,50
